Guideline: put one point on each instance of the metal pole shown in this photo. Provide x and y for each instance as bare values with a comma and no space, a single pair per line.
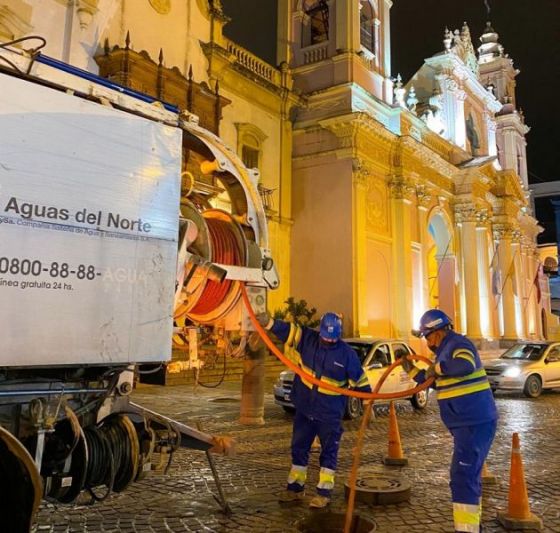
221,499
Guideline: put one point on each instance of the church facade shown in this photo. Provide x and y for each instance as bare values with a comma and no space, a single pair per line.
384,198
409,196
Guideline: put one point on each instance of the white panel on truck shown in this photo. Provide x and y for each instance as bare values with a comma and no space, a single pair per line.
89,200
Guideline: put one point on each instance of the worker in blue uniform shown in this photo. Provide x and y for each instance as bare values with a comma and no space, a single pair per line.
319,411
467,408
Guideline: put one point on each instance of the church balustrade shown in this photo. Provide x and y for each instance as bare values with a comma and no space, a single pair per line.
254,64
315,53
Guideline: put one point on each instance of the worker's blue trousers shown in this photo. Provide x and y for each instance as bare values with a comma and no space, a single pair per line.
304,432
471,445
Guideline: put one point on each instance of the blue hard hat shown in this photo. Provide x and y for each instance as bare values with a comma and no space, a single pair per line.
432,320
331,327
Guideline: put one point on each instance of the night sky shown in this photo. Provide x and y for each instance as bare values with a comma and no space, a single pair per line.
529,32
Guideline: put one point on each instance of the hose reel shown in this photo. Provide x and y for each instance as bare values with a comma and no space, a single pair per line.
220,240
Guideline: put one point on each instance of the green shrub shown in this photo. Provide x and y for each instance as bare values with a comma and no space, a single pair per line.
298,312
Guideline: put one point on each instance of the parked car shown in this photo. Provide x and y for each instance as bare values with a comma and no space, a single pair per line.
375,355
529,367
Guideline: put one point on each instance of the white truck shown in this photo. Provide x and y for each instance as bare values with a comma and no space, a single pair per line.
110,245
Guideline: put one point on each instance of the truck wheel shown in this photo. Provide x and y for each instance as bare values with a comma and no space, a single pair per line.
21,486
354,408
287,409
533,386
419,400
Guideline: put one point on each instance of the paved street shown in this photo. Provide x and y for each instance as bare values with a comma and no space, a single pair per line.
183,501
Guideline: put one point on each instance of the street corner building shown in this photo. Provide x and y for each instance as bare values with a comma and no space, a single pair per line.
383,196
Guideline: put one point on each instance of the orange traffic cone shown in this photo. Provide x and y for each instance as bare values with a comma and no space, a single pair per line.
487,477
396,456
518,515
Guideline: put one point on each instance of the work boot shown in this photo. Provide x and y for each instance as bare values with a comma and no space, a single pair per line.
289,496
319,502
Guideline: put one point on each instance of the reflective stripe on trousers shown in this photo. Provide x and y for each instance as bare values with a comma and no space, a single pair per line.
466,517
326,479
297,477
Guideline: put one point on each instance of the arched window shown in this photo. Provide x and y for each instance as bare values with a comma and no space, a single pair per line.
250,141
367,26
318,13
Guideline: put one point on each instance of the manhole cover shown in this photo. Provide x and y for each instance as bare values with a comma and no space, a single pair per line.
225,399
334,523
381,489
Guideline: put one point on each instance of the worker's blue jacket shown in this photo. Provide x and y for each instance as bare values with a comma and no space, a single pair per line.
336,364
463,390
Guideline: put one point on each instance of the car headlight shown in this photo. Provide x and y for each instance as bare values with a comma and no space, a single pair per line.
512,372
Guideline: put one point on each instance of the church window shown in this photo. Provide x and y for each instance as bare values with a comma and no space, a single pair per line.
250,156
367,26
250,141
318,13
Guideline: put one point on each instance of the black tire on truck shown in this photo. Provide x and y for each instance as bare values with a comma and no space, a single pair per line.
20,485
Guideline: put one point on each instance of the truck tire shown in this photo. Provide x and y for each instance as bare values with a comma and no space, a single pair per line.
20,484
533,386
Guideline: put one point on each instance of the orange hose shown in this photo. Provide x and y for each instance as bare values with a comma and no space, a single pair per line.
333,388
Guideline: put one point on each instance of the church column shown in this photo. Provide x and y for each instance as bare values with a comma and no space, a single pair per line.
284,38
534,261
523,173
503,234
487,308
401,194
385,44
466,216
347,26
423,201
509,136
453,99
530,290
360,176
492,149
519,286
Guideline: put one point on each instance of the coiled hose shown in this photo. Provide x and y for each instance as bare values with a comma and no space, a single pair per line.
111,460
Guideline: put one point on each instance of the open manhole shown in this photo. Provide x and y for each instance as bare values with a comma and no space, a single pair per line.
333,523
381,489
225,399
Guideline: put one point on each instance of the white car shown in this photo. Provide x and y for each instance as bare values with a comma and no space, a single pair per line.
375,355
529,367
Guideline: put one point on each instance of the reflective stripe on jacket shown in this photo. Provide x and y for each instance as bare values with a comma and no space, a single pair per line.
462,388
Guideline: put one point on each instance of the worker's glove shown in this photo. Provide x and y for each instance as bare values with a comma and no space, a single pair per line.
407,364
264,320
431,371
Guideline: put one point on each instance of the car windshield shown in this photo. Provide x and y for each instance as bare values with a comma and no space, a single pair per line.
361,349
527,352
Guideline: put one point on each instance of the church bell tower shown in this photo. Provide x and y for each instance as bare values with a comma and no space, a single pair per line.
498,74
333,42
